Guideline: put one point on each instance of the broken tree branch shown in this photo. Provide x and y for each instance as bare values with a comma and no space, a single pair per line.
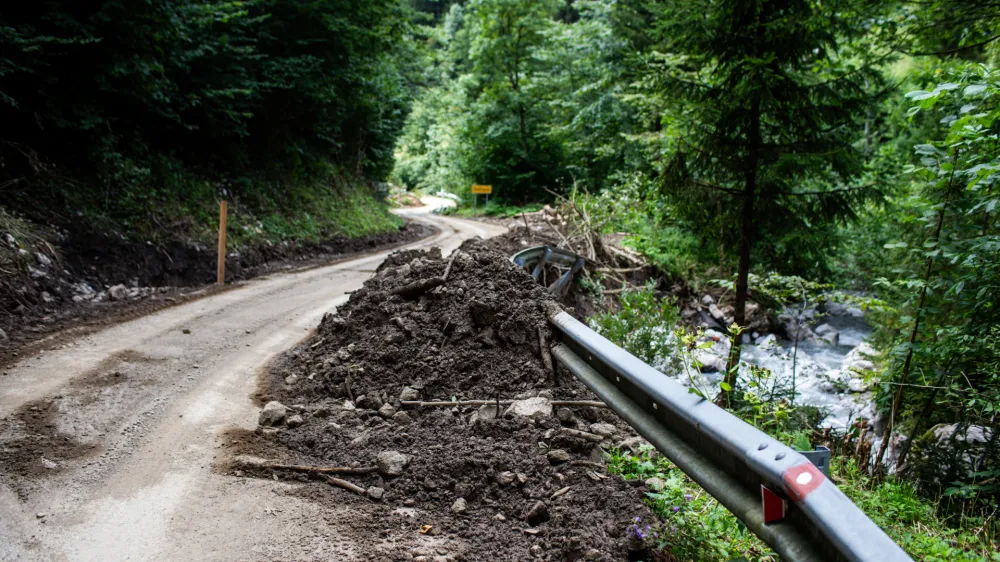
447,404
420,287
346,485
581,434
543,348
322,469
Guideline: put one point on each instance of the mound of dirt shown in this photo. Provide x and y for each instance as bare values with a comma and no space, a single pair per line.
463,482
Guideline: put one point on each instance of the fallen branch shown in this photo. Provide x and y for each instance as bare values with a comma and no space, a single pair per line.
620,269
592,464
566,243
555,403
623,254
447,269
420,287
417,287
544,350
581,434
321,469
616,291
346,485
560,492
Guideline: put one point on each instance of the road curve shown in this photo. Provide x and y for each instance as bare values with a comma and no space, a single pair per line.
145,406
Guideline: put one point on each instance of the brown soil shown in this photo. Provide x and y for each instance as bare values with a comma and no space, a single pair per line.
474,337
182,274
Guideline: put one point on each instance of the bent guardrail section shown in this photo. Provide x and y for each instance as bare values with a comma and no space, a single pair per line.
732,460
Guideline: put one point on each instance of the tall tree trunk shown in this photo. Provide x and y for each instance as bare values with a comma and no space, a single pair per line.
897,399
523,125
746,243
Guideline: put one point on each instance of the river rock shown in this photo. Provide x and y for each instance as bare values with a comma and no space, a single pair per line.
828,333
952,452
294,421
392,463
769,341
273,414
860,358
717,314
716,357
460,507
858,384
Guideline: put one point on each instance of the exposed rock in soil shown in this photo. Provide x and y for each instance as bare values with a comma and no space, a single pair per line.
474,491
272,414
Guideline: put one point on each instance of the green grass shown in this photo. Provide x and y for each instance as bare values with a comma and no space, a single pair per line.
300,208
28,240
694,526
494,209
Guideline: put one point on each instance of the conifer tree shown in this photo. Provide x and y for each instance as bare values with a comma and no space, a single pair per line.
770,93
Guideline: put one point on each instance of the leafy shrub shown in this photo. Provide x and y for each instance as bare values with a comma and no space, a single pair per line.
642,325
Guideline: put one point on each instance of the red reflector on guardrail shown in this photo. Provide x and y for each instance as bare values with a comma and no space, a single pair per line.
802,479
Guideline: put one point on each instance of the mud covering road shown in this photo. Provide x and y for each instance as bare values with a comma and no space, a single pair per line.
455,482
108,446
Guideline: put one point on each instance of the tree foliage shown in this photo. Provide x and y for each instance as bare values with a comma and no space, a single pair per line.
115,100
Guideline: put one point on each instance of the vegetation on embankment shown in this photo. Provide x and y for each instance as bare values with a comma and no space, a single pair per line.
132,120
851,145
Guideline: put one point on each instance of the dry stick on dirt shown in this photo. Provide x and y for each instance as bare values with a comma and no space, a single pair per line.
555,403
346,485
546,356
420,287
581,434
321,469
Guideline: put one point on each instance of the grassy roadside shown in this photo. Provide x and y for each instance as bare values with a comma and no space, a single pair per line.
493,209
694,526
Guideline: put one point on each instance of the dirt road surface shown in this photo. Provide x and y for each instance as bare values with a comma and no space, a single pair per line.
133,418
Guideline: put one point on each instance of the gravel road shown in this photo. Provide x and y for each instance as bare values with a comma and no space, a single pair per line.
107,446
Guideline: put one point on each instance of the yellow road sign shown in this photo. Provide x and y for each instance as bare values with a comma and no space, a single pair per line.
482,189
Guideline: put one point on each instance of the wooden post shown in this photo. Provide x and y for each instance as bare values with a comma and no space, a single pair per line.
221,280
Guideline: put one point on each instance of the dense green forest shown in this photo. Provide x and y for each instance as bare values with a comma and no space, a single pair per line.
852,144
767,146
137,117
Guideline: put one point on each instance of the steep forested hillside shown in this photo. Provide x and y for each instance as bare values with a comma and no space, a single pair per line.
136,117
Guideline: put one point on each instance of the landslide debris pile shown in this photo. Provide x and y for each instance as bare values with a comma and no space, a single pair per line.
455,482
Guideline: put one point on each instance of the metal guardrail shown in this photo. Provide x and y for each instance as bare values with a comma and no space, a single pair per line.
733,461
538,257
